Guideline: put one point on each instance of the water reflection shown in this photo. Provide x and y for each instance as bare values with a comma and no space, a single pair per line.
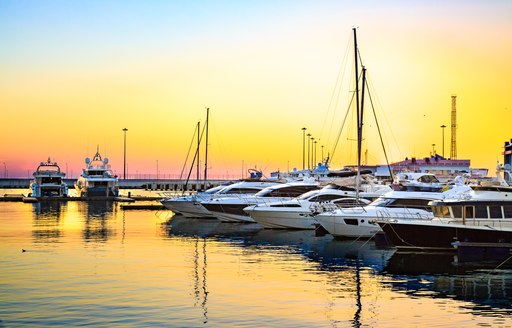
96,217
352,266
487,287
46,221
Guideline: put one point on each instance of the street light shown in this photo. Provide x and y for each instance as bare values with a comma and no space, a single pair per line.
322,153
124,173
314,152
303,147
309,148
442,129
433,149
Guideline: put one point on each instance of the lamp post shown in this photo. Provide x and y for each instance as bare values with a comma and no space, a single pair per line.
314,152
309,148
442,129
322,153
124,172
433,149
303,147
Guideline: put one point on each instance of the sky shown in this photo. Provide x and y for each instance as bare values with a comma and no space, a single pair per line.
73,74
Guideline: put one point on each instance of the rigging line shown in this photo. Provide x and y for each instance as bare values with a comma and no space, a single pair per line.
195,156
380,135
341,128
336,90
343,124
499,265
188,153
379,104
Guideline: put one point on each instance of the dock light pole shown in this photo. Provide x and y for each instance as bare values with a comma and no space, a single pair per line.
309,150
322,153
314,154
303,147
124,172
433,149
442,129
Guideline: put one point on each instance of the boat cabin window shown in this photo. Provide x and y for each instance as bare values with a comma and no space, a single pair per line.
428,179
289,191
95,172
285,205
324,198
242,191
469,212
507,210
441,211
456,212
309,194
495,212
51,180
481,212
410,203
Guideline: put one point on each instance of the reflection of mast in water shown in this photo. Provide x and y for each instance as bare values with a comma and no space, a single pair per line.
197,290
357,316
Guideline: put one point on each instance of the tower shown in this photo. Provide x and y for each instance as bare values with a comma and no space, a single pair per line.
453,152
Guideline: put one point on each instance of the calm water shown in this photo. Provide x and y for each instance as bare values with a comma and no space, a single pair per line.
96,264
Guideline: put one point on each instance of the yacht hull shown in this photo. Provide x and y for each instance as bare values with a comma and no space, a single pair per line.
189,209
440,236
283,219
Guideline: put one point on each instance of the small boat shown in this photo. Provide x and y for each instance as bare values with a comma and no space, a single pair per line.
48,181
97,179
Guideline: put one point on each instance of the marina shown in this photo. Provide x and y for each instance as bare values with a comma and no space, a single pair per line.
255,164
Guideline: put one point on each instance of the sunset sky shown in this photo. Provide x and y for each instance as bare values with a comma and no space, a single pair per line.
73,74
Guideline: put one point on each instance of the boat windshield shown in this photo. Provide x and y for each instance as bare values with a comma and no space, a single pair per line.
49,168
309,194
382,202
213,190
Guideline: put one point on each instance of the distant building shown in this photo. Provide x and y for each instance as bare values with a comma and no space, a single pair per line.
437,164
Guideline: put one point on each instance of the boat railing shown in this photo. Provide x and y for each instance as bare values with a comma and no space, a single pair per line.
387,216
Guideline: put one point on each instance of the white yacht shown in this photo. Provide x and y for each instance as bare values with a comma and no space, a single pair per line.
298,213
231,209
359,222
48,181
97,179
190,206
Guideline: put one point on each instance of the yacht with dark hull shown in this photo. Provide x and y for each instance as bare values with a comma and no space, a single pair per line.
97,179
482,216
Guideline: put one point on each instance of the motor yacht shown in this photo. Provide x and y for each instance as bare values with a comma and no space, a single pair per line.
482,215
360,222
231,209
191,205
299,213
48,181
97,179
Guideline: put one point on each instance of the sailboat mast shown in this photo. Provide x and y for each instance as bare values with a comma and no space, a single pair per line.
198,147
206,149
357,113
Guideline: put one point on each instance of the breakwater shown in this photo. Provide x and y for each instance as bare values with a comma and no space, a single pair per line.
148,184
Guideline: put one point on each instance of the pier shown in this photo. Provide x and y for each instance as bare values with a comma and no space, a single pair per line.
147,184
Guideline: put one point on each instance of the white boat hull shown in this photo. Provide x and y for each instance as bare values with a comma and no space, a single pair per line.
189,209
299,219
